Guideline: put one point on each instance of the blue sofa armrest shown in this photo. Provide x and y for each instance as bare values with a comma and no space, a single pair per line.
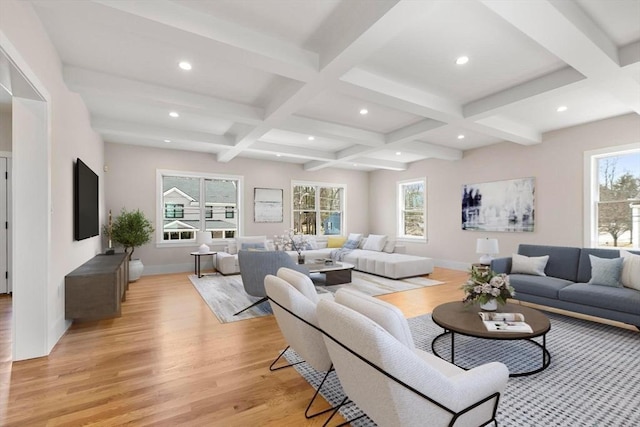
501,265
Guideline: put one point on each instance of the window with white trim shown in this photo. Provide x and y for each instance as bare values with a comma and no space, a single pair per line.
412,209
612,197
190,202
317,208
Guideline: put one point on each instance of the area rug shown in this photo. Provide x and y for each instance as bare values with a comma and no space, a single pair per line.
592,380
225,295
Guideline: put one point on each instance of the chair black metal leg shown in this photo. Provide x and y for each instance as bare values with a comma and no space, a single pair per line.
252,305
306,413
335,411
271,368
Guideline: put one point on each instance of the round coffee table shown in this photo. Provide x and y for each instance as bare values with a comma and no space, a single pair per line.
458,318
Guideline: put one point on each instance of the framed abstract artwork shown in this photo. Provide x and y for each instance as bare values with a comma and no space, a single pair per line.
267,204
499,206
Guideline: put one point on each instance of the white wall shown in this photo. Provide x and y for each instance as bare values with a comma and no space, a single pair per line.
131,183
556,163
69,136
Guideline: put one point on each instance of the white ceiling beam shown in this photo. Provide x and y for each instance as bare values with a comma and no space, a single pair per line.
290,151
202,147
228,40
571,35
119,127
431,150
412,132
319,128
92,82
363,162
507,129
545,86
377,23
381,90
567,32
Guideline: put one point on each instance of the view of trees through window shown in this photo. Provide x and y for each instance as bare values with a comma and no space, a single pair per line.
412,209
618,206
317,210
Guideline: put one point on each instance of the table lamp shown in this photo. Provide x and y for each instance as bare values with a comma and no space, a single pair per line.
487,247
202,238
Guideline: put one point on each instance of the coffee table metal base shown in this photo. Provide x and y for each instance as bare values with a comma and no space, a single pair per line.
546,356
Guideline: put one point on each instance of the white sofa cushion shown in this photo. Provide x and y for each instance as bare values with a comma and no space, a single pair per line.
630,270
375,242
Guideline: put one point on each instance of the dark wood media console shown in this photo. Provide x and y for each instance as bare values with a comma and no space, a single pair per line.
96,289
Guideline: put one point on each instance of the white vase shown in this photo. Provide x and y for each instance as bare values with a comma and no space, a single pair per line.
135,269
491,305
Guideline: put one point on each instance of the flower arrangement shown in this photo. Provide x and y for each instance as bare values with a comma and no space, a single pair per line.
291,240
484,285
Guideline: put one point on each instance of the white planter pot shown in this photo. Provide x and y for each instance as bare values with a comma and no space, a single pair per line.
491,305
135,269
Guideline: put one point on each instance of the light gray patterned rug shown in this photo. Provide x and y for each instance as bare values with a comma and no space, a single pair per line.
225,295
593,379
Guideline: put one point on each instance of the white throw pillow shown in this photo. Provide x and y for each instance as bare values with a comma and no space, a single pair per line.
630,270
389,247
375,242
251,241
521,264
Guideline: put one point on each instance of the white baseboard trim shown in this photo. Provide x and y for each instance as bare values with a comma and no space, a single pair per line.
150,270
453,265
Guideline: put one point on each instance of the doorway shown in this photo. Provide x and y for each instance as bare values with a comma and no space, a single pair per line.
30,198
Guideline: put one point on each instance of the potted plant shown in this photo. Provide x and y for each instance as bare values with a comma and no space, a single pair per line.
131,229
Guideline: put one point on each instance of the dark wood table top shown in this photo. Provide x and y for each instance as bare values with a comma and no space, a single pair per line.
464,319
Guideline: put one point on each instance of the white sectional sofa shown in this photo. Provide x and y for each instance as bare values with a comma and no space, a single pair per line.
391,262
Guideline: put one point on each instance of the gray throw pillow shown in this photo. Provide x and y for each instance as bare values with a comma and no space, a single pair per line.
605,271
247,246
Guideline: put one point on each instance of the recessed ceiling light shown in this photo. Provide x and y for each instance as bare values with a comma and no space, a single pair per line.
562,108
185,65
355,164
364,111
167,140
174,114
462,60
311,138
461,136
398,153
278,155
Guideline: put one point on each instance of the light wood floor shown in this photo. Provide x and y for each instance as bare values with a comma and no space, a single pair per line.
168,361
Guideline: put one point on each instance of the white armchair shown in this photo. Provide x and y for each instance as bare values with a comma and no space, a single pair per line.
396,384
293,298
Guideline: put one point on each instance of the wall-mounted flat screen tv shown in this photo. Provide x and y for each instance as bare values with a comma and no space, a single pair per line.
85,202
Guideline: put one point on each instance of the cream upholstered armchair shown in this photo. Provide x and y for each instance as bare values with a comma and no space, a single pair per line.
394,383
256,265
293,298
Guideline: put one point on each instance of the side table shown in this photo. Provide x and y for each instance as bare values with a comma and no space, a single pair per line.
197,255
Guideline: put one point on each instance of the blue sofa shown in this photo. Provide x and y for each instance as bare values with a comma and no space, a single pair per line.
565,284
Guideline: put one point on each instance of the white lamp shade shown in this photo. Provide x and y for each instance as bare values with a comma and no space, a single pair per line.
487,247
202,238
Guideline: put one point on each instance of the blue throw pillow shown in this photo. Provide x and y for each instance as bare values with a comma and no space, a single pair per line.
605,271
350,244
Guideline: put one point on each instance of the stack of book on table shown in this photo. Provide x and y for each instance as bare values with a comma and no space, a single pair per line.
505,322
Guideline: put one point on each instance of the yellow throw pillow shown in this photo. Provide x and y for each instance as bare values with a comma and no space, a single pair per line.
336,241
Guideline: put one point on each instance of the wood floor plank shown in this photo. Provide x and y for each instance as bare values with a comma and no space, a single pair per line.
169,362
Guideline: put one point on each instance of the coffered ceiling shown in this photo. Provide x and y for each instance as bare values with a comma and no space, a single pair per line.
285,80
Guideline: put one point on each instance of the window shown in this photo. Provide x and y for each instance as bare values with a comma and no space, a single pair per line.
612,197
173,211
229,212
318,208
412,209
191,202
